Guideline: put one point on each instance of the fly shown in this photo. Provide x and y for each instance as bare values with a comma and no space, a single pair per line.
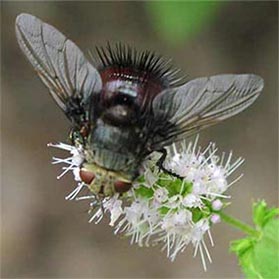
129,105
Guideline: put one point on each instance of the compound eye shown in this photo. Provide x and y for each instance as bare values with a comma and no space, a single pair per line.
122,186
86,176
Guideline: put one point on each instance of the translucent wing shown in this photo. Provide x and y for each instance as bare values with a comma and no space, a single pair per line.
60,64
180,112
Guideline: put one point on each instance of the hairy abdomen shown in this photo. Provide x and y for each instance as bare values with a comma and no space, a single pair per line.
114,148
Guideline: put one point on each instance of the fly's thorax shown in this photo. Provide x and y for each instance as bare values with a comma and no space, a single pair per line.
128,88
101,181
130,80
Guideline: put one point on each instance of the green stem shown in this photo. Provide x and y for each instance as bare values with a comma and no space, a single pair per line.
240,225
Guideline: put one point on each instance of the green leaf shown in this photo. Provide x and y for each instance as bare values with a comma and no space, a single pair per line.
177,20
241,246
164,210
140,179
198,214
144,192
262,214
259,256
265,257
176,186
187,188
173,186
259,213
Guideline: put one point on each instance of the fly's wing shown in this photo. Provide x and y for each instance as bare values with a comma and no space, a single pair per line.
182,111
60,64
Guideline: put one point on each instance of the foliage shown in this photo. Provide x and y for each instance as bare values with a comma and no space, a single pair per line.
259,254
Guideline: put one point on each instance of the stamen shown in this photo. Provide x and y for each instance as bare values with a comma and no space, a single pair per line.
202,257
206,251
210,237
65,171
75,192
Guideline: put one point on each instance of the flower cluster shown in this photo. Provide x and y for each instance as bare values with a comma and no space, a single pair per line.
172,209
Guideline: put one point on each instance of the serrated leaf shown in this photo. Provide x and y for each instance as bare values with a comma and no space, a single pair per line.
273,212
259,210
262,214
265,257
259,256
241,246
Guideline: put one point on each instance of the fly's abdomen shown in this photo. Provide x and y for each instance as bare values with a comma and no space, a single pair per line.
114,148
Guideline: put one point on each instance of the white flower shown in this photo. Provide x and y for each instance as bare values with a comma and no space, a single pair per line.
160,208
215,218
217,204
161,194
197,238
192,200
199,230
73,161
135,211
174,201
177,222
150,177
76,174
114,206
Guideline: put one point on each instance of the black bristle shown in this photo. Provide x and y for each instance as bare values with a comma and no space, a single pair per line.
124,56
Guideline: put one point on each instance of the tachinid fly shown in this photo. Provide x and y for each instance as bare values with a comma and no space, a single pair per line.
128,106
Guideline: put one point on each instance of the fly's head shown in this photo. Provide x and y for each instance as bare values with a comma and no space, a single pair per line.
104,182
101,181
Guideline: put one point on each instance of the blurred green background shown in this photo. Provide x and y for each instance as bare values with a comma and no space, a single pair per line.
45,236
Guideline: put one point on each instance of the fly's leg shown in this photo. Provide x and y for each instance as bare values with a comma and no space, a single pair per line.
160,163
161,160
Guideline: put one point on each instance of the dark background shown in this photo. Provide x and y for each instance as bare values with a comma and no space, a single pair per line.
45,236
